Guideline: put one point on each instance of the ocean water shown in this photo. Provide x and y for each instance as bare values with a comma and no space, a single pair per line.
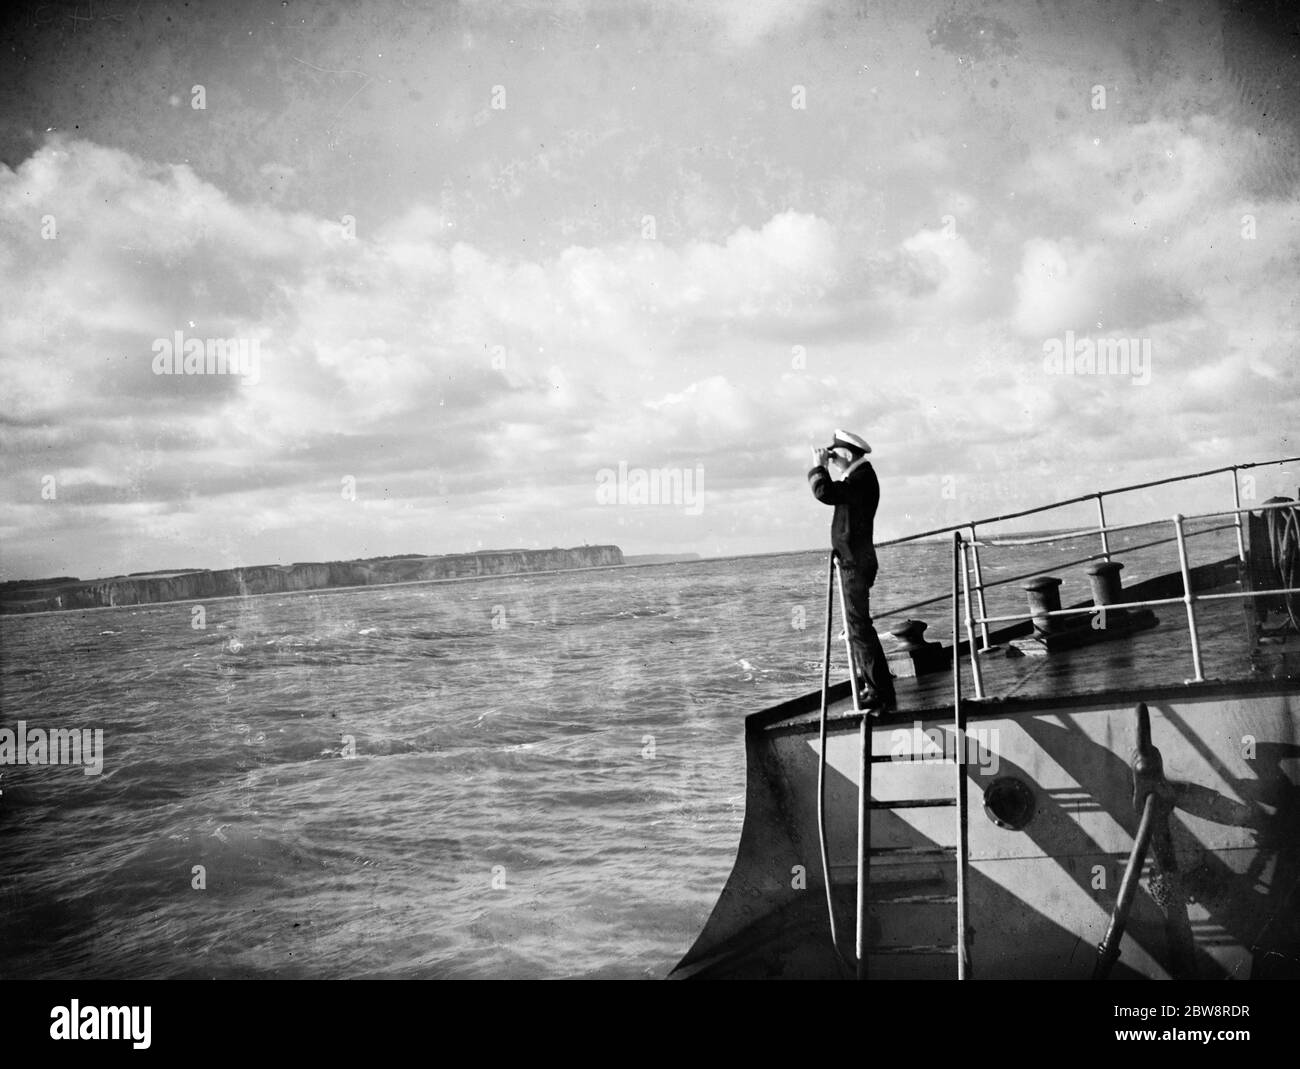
528,776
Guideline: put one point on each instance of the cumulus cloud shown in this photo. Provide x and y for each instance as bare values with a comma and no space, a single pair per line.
486,386
401,358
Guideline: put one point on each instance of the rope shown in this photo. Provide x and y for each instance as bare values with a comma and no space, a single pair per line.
1284,550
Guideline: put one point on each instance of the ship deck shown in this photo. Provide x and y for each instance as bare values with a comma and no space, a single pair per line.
1027,883
1145,664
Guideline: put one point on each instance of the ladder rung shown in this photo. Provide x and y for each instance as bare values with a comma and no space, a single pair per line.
884,874
923,948
914,803
913,851
929,759
913,900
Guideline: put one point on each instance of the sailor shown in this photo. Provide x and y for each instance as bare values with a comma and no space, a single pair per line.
855,497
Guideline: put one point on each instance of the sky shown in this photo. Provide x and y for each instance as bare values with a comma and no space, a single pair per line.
487,260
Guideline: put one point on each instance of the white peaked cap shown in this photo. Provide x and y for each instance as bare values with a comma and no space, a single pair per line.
851,440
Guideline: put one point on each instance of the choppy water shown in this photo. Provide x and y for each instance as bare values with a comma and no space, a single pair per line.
548,777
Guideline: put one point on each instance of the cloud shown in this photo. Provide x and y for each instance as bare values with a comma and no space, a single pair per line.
467,382
396,358
744,22
1157,229
1056,287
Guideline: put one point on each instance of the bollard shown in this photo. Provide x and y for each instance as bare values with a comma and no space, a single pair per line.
1044,596
909,634
1107,591
1103,575
915,656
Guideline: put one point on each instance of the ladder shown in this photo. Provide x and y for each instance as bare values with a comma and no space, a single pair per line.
956,855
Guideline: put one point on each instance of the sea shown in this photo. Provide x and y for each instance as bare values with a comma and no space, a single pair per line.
528,776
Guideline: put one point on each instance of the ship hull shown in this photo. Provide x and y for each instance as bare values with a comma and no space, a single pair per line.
1039,896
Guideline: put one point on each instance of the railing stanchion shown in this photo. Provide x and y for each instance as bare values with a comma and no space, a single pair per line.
821,760
1101,526
959,729
979,588
970,624
1236,504
848,639
864,842
1189,599
864,788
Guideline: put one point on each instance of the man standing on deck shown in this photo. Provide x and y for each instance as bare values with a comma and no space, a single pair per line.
855,497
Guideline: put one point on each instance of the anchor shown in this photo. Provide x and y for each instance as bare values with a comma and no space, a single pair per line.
1154,797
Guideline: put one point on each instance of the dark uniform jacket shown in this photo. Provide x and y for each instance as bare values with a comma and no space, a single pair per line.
855,499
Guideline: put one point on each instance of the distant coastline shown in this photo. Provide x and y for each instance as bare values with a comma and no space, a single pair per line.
661,558
68,593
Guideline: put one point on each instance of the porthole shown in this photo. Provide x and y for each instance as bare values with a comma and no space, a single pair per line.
1009,803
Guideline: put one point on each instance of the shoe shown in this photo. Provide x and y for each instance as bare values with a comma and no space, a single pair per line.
872,703
868,698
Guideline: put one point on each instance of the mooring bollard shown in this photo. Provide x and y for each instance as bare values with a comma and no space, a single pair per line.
915,655
1044,596
1107,591
1103,575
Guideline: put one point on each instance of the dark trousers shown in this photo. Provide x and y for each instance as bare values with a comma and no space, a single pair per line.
868,655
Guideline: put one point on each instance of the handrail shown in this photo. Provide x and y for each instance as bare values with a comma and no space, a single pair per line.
1255,508
821,752
1188,598
970,633
1043,571
1083,532
908,607
1102,529
959,736
1110,528
864,782
1150,603
1056,565
948,529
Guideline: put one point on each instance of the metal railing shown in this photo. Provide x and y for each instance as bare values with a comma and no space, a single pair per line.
968,580
959,739
978,586
1188,599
